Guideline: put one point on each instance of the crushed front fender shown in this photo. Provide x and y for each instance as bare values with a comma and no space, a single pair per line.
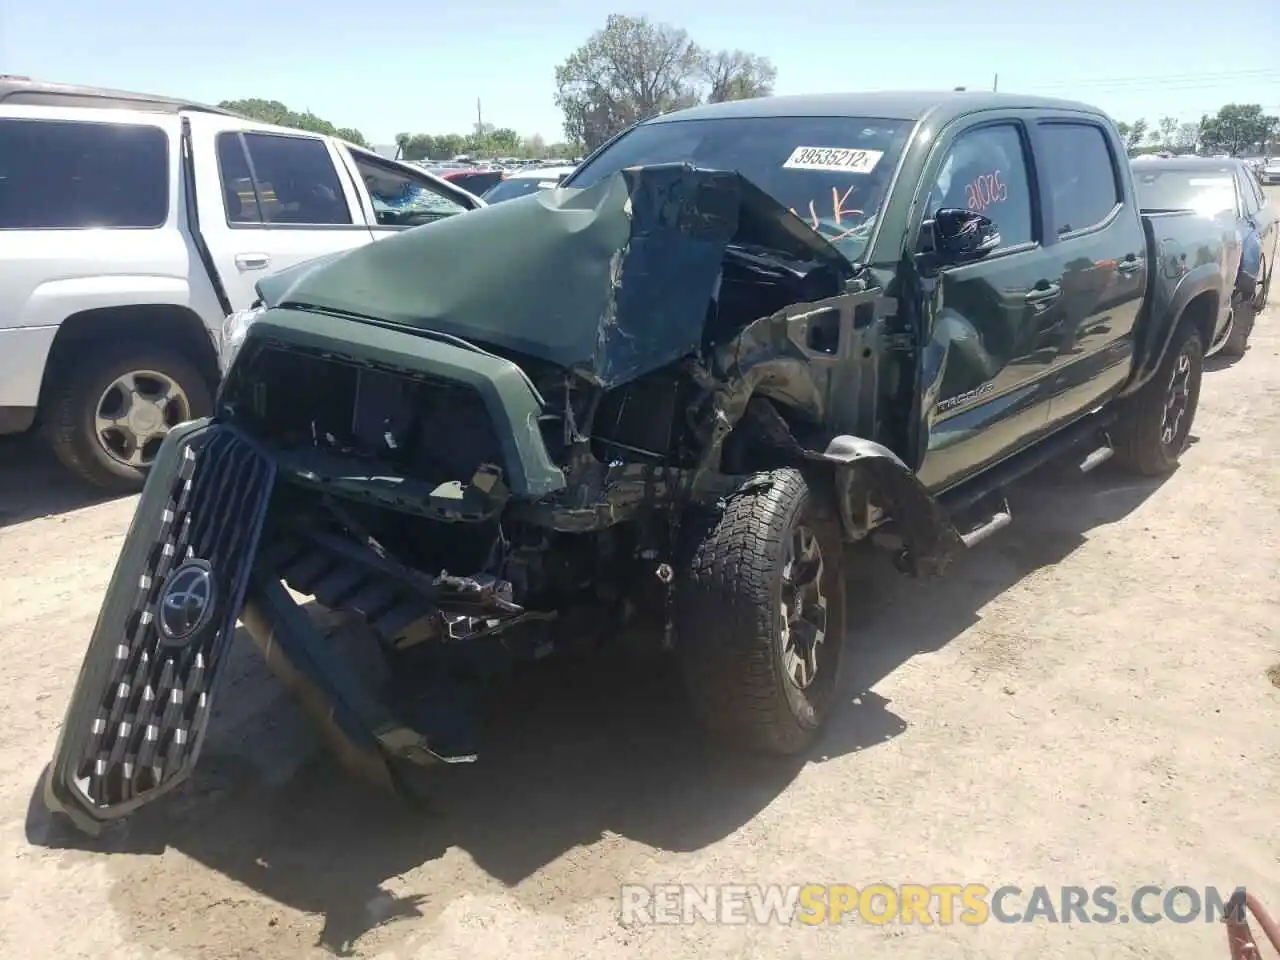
872,481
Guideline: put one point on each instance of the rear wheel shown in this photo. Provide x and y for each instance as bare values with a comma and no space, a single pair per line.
1155,423
760,617
1264,289
109,409
1242,317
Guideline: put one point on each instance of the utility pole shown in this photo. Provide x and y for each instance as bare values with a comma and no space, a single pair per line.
995,83
479,119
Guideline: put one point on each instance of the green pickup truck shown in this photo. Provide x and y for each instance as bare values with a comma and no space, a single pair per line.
664,399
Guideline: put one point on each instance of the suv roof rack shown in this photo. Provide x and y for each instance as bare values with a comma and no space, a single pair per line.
24,90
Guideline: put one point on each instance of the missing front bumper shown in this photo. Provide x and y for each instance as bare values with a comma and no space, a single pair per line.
190,569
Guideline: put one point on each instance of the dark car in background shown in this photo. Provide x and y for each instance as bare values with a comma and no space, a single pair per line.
1269,171
1227,191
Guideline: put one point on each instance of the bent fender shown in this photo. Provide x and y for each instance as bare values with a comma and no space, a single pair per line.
872,481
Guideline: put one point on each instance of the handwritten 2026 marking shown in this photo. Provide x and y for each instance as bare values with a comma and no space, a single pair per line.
985,190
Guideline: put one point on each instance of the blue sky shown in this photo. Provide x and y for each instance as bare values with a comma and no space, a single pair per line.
392,65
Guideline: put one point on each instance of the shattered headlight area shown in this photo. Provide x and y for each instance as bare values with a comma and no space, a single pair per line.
234,330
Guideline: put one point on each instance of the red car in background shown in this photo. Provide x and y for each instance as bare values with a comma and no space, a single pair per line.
474,181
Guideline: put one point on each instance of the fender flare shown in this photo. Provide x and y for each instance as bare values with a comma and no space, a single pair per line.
872,484
1153,346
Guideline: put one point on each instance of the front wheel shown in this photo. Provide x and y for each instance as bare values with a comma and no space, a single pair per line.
760,616
1155,423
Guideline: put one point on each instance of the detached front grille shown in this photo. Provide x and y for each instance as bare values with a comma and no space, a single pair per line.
153,701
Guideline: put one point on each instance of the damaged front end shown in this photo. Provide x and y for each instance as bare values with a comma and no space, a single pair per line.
464,436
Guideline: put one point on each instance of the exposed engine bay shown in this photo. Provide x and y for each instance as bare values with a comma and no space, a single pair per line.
456,558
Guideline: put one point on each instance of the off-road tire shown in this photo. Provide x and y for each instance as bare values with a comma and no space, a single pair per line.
1138,442
70,406
730,641
1242,318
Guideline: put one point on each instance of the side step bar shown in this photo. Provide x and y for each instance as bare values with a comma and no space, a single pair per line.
1000,519
1099,456
1002,516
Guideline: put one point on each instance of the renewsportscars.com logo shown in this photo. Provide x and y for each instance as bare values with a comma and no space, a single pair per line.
914,903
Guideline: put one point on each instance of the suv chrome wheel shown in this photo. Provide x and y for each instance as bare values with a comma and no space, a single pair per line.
136,412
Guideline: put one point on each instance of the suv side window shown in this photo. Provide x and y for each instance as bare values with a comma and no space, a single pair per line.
399,198
282,180
1249,199
64,174
986,171
237,182
1081,175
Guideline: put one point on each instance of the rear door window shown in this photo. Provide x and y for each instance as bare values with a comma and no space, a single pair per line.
1081,173
57,174
292,180
401,199
237,182
1249,200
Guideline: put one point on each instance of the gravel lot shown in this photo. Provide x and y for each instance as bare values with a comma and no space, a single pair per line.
1084,700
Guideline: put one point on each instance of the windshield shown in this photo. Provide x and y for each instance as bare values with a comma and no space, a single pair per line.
515,187
1210,193
831,172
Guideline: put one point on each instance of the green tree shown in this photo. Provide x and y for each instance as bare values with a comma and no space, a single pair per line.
564,151
448,145
735,75
634,69
533,146
1137,133
416,146
273,111
1187,138
1168,128
1236,128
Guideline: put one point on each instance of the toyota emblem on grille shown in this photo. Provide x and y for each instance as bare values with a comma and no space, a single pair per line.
188,601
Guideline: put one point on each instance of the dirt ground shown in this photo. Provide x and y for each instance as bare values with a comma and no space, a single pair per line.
1083,700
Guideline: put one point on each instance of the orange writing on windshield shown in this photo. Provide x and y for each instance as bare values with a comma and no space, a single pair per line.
985,190
838,211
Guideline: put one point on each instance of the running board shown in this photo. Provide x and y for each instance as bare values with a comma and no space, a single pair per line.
1087,433
1099,456
998,520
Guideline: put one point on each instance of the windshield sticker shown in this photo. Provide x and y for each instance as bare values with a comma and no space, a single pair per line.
838,159
985,190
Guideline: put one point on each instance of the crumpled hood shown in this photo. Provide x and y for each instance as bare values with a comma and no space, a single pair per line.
611,281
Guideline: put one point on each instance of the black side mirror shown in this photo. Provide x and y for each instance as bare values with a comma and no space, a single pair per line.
956,236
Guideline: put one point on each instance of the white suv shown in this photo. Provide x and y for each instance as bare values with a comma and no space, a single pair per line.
131,226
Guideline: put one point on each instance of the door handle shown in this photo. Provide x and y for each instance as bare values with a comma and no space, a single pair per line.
1129,264
252,261
1043,295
